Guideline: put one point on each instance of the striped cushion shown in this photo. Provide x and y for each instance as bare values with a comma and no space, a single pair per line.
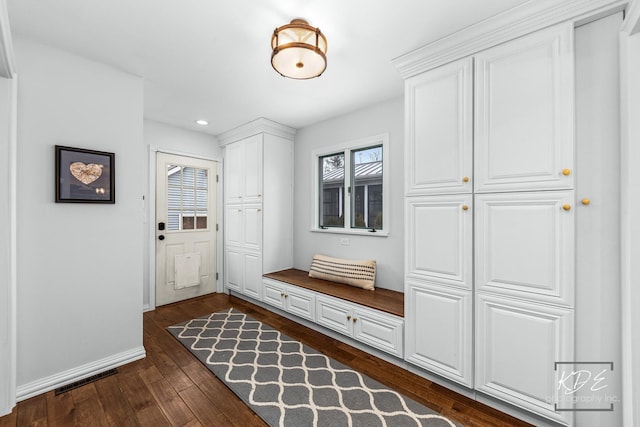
355,273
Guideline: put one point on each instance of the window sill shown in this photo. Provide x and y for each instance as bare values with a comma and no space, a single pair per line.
359,232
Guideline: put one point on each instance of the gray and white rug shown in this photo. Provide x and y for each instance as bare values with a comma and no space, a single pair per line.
290,384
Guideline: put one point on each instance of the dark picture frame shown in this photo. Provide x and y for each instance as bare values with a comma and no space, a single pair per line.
84,176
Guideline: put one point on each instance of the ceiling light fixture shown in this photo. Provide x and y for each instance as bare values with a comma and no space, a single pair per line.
299,50
202,122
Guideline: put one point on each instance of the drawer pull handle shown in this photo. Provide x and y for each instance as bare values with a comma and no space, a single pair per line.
355,319
348,317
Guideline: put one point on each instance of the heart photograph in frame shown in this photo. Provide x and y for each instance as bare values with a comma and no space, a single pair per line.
84,176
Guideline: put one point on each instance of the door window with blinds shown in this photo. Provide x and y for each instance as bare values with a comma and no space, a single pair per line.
187,198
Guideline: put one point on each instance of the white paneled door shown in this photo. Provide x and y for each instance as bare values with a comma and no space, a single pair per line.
440,130
186,234
524,128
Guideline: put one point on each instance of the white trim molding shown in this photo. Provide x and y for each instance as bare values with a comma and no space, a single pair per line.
8,275
527,18
260,125
7,62
51,382
629,226
631,23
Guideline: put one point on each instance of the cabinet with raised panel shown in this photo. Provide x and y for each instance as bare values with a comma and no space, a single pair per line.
439,130
258,233
490,217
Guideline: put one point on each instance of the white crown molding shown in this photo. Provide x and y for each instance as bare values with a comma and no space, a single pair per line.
513,23
7,63
46,384
631,24
254,127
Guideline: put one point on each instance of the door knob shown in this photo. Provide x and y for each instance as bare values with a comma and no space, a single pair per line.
161,237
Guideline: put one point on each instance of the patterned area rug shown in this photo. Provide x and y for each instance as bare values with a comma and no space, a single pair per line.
290,384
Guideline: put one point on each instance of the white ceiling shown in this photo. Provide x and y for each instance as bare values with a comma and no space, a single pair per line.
210,59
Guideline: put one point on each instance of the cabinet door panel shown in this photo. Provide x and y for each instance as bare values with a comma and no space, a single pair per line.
377,330
525,245
234,269
334,315
524,119
300,303
439,239
517,345
252,275
252,191
252,227
439,330
234,225
439,130
234,172
273,293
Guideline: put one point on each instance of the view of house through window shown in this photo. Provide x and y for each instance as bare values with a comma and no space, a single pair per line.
366,183
332,190
352,180
187,198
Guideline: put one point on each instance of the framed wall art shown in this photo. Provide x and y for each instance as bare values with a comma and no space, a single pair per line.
84,176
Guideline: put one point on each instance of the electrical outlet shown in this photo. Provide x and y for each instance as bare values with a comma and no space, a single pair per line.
344,241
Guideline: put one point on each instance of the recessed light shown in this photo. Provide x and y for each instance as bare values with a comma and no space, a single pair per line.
202,122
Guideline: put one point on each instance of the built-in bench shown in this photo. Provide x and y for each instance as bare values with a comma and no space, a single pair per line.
386,300
375,318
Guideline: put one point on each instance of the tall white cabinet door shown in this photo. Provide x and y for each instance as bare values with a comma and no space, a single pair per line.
252,226
439,239
233,225
525,245
234,269
252,189
252,285
524,122
438,106
234,172
439,330
517,345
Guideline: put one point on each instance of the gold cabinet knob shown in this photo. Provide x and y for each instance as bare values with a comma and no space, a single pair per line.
465,207
566,207
566,172
585,201
465,179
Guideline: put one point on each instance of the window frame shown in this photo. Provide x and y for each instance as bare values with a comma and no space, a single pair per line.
347,148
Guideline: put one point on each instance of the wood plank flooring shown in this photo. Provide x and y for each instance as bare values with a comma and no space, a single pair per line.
170,387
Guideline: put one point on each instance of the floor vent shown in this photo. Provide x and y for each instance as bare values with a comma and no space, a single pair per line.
85,381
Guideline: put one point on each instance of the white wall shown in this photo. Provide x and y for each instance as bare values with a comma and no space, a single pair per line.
387,251
163,137
79,265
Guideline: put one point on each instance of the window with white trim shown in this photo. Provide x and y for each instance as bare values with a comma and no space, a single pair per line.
351,187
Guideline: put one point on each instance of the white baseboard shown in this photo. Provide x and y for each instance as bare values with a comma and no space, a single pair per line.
43,385
145,308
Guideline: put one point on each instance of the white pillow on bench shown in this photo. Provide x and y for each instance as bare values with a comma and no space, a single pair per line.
350,272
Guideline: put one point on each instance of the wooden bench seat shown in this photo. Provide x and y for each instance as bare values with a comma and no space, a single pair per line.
381,299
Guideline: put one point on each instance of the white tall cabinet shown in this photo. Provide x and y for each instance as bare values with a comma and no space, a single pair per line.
258,182
490,209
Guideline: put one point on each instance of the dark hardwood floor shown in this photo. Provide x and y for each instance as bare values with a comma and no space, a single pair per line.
170,387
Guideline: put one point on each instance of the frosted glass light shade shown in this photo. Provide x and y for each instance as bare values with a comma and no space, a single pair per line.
299,50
